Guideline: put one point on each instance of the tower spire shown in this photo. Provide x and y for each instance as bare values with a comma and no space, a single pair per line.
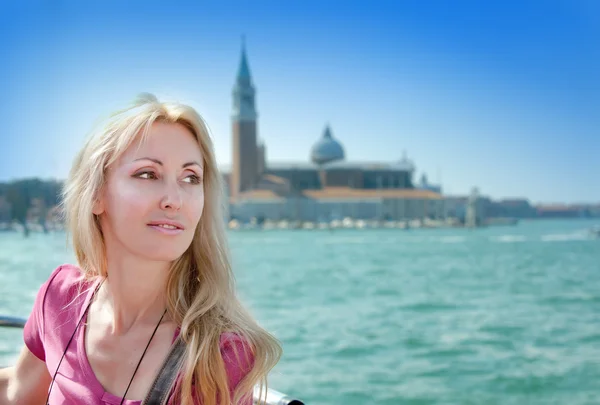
244,70
248,157
327,132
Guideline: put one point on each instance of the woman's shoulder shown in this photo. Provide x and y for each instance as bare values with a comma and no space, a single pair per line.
238,359
65,278
66,282
230,342
66,273
54,307
238,356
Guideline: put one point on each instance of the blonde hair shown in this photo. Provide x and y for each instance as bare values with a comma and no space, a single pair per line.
201,297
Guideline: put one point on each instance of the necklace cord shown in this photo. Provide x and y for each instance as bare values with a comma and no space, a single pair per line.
73,335
140,362
69,343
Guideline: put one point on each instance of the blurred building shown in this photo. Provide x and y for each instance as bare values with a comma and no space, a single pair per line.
324,187
426,185
5,210
511,208
474,206
563,211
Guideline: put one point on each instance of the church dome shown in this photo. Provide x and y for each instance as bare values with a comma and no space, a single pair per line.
326,149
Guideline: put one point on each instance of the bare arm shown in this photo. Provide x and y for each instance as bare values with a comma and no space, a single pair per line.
26,382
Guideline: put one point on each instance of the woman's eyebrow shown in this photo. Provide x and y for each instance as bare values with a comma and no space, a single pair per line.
193,162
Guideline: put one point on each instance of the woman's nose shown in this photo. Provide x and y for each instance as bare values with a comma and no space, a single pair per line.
172,198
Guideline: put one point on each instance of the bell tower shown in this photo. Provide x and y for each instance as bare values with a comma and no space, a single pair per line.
245,155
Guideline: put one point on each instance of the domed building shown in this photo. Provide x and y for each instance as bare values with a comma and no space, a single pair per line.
325,187
327,149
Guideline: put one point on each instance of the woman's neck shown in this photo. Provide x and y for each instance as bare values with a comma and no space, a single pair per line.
133,293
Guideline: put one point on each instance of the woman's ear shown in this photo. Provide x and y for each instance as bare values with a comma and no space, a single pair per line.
98,207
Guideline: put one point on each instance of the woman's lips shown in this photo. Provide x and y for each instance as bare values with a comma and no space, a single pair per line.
166,229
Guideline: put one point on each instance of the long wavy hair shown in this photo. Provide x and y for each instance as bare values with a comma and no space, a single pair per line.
201,296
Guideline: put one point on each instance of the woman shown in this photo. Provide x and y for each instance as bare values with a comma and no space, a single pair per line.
143,206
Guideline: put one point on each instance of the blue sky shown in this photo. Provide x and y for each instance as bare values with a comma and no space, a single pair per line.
502,95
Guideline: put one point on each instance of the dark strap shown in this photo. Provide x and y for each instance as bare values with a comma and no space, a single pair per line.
160,390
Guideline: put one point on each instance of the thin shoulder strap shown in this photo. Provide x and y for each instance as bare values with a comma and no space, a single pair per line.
160,389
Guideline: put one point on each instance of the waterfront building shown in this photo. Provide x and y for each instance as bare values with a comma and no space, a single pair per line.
323,188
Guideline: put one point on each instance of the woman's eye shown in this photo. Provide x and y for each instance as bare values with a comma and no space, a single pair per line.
193,179
146,175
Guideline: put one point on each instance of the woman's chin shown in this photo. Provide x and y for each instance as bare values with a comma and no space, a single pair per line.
164,255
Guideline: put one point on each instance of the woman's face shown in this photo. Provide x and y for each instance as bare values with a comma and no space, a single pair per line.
154,195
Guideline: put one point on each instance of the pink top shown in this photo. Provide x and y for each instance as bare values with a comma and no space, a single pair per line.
58,307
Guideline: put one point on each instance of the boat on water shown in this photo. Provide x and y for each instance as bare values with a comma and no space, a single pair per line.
273,397
595,232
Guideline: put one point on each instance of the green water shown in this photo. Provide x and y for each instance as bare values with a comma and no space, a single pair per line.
506,315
